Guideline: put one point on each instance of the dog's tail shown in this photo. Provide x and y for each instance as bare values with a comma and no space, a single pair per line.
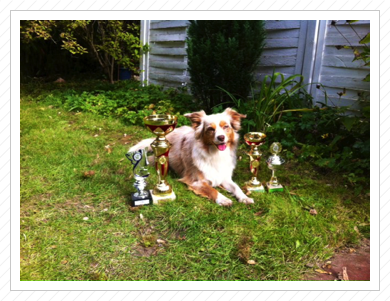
142,145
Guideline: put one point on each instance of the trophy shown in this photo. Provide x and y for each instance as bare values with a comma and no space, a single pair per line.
161,125
140,161
274,163
254,140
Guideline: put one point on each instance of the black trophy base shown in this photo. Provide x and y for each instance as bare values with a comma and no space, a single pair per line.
142,200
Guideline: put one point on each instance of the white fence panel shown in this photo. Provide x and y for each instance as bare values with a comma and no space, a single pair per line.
292,47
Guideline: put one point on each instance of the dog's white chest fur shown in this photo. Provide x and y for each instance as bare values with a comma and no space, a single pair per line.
217,166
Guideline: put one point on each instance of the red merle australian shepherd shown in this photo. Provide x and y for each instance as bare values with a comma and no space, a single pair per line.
204,155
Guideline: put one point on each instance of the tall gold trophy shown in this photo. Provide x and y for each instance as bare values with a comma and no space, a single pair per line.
161,125
254,140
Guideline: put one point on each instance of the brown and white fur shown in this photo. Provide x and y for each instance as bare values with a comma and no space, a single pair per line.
204,155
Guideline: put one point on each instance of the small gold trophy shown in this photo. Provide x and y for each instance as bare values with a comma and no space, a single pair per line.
161,125
274,163
254,140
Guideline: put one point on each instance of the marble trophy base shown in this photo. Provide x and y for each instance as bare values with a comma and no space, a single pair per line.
274,188
137,200
254,188
163,197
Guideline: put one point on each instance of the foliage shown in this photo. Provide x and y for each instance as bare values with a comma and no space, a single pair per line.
330,139
223,54
126,100
266,106
111,42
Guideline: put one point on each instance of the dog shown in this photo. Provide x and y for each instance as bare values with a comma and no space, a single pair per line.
204,155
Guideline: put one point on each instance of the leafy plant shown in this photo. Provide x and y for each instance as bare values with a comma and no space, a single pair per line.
266,106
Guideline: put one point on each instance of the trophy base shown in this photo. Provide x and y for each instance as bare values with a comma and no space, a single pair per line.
274,188
253,188
161,198
137,200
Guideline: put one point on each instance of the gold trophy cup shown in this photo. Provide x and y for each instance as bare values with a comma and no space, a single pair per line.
254,140
161,125
275,163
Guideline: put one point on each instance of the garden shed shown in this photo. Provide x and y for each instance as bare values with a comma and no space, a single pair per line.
310,48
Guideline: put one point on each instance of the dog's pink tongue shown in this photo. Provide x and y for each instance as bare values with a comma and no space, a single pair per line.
221,147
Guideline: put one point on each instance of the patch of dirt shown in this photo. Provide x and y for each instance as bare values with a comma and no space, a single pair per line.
141,251
356,260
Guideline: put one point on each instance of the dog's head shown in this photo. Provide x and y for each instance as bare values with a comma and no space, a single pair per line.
219,130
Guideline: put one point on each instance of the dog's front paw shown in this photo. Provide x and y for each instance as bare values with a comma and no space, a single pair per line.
224,201
246,201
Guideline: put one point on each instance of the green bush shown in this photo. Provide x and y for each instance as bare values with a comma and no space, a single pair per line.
223,54
330,138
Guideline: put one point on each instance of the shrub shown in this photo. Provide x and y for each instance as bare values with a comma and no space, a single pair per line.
223,54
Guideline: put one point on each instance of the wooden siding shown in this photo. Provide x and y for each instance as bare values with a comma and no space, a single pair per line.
168,56
292,47
337,70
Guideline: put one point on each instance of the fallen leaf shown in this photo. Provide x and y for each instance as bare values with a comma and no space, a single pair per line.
351,250
86,218
89,173
313,212
59,80
327,265
64,262
108,149
259,213
161,241
323,272
252,262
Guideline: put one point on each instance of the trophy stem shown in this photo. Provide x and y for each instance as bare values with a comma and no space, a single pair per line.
274,179
254,184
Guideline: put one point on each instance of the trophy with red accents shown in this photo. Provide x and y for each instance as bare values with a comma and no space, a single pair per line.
161,125
254,140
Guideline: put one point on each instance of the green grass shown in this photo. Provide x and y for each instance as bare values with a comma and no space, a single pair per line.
201,240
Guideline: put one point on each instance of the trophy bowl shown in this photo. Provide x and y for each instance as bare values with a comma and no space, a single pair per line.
254,140
161,125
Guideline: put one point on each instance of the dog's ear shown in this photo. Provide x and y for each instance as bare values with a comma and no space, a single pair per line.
235,118
196,118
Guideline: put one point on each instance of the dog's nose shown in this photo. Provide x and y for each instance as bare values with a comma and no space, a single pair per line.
221,138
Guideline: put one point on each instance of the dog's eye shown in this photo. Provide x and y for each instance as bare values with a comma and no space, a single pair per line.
226,127
210,129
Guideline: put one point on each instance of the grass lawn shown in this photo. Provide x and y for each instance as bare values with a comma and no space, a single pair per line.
76,222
